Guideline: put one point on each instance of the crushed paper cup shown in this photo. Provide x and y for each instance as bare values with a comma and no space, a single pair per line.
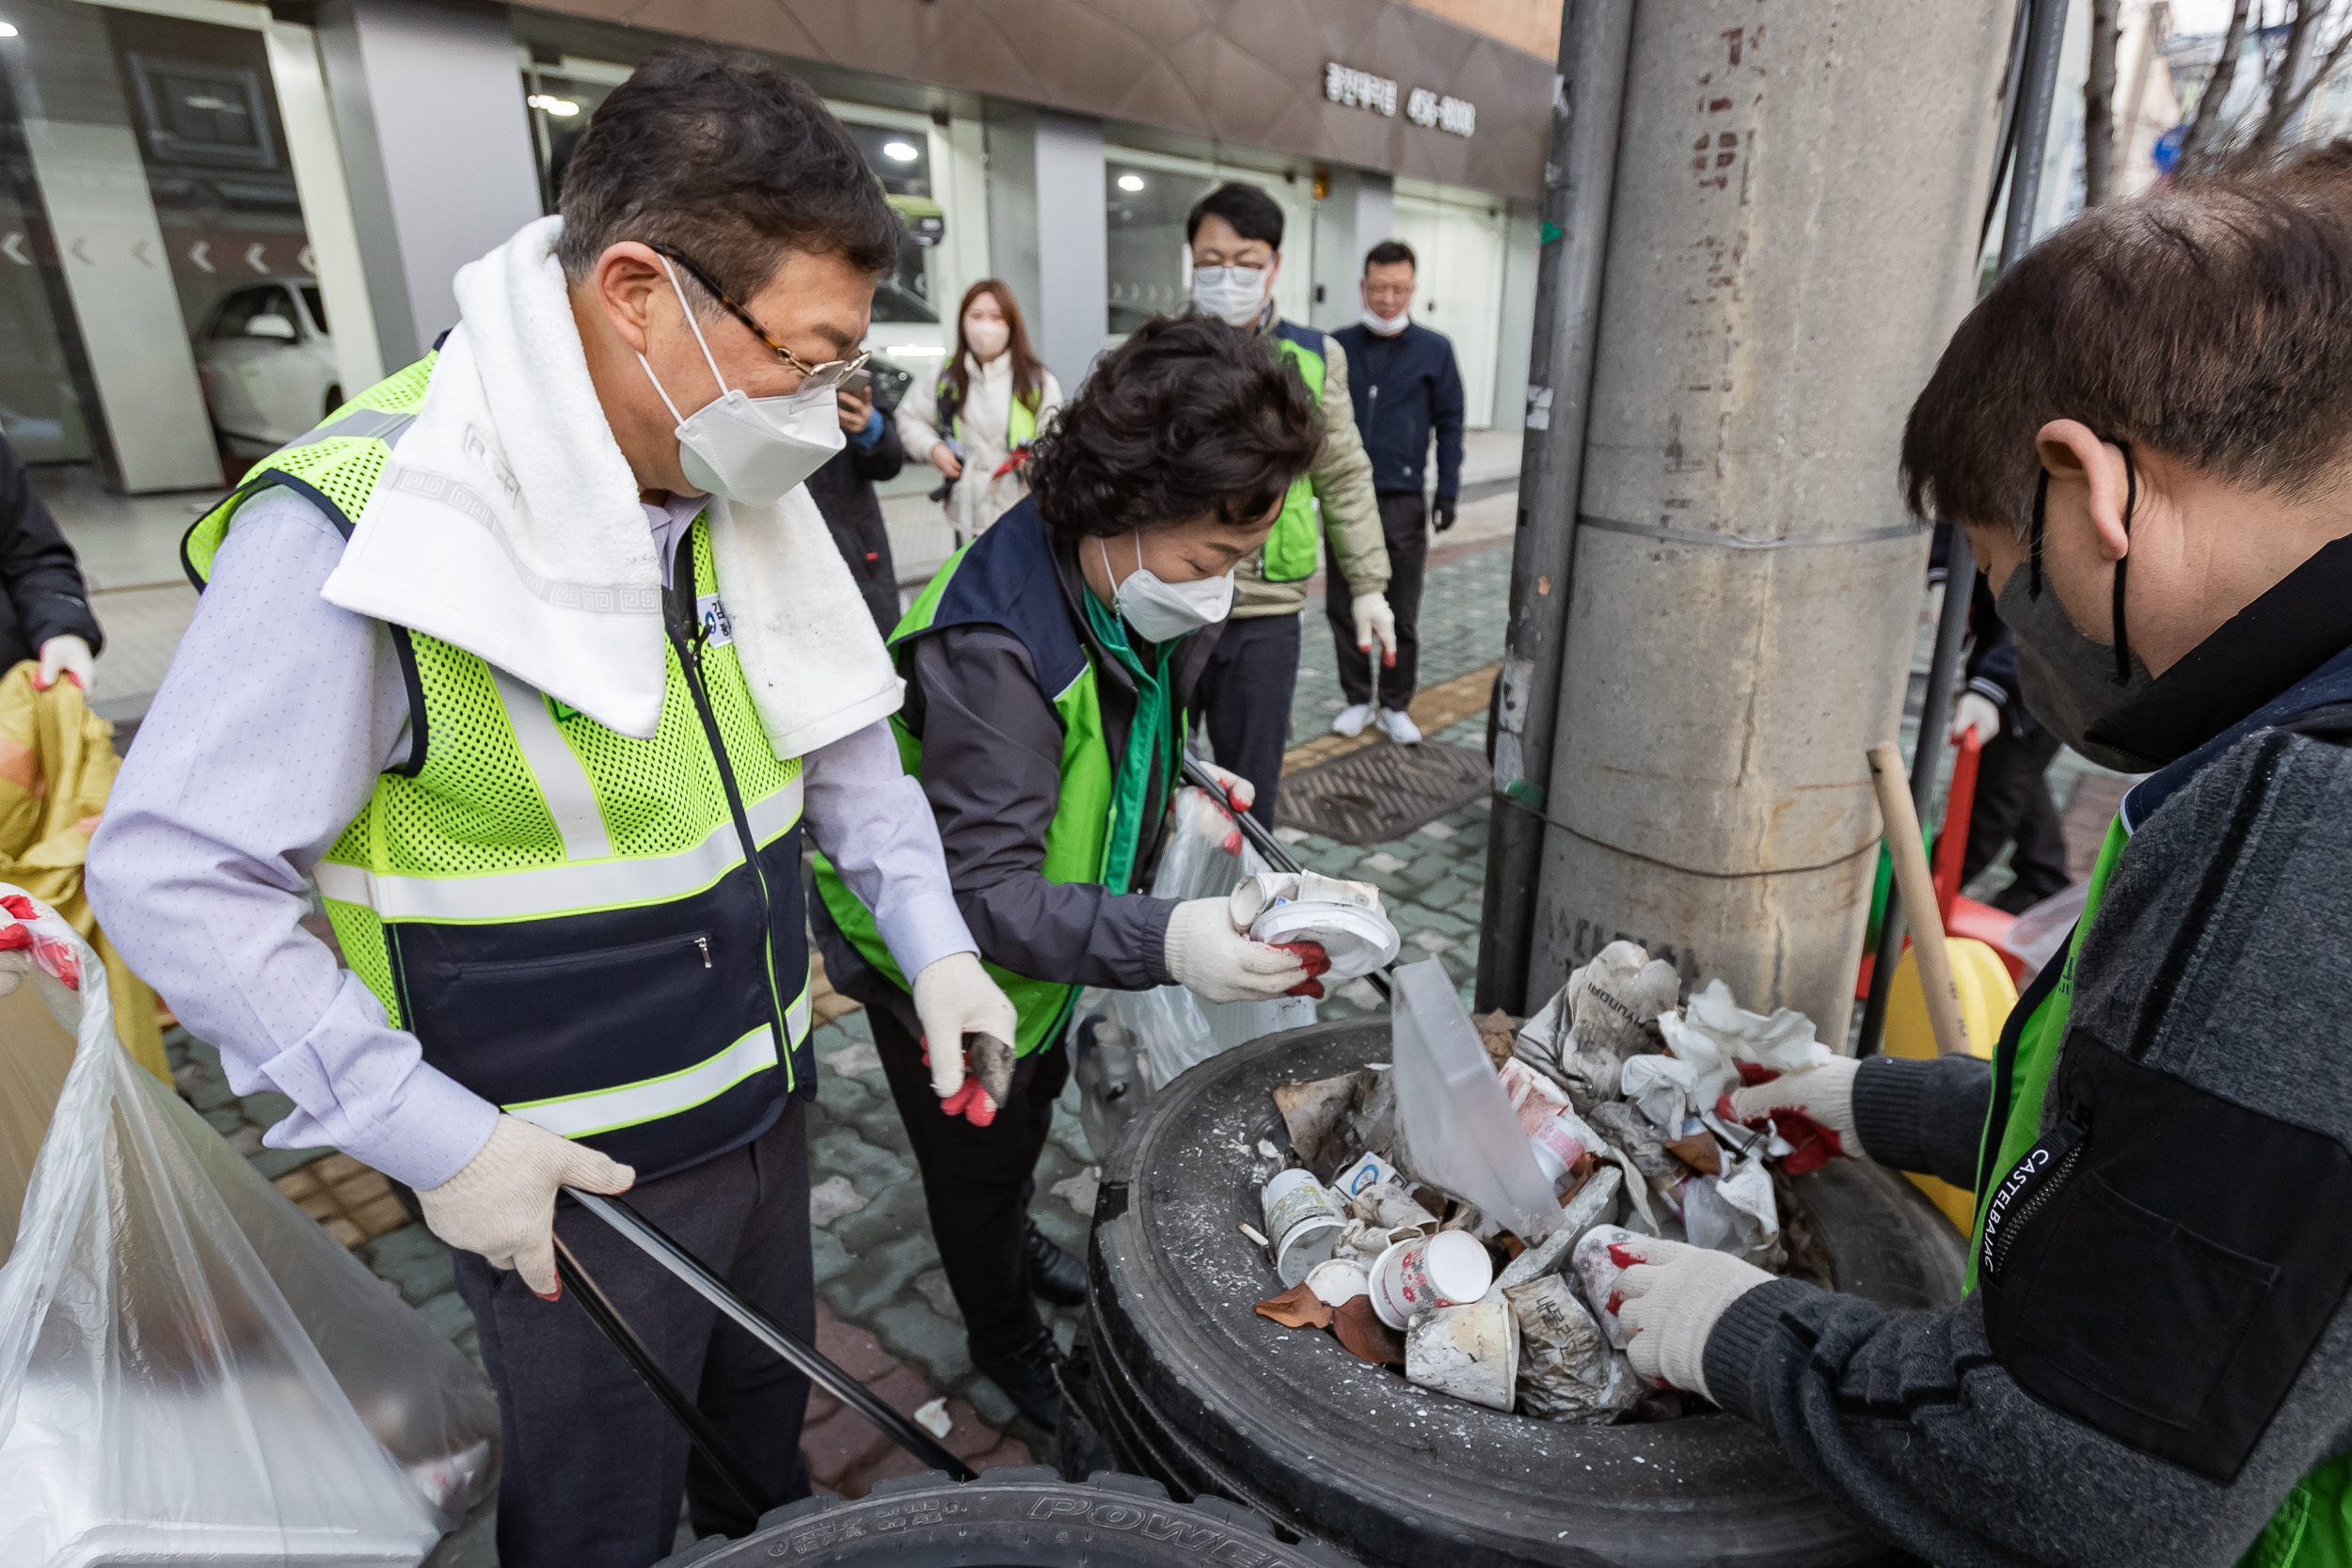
1357,940
1418,1273
1304,1220
1338,1280
1470,1352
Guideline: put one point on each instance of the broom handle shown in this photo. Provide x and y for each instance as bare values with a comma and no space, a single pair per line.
1917,890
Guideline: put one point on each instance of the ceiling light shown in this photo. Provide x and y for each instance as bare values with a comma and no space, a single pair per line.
1131,182
898,151
7,29
562,108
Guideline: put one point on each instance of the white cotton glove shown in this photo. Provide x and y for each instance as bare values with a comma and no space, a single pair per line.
1977,712
1240,794
68,655
954,997
1670,1301
1823,1093
1374,618
1216,961
501,1204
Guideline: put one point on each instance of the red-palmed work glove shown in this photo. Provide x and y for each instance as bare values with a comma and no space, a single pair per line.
954,998
66,656
501,1202
1813,1108
1217,960
1670,1298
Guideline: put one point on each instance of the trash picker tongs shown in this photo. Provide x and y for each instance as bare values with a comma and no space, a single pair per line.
1277,854
649,1239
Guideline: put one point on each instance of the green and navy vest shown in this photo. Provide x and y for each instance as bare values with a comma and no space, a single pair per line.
2312,1529
602,935
1009,578
1295,548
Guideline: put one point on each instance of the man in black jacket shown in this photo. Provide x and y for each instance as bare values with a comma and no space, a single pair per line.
843,490
44,611
1405,388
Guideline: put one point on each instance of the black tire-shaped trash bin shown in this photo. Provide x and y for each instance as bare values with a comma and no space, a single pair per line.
1196,1390
1016,1517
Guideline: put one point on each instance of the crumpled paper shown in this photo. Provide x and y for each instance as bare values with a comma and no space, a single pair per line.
1606,1012
1662,1088
1715,1035
1568,1371
1736,1213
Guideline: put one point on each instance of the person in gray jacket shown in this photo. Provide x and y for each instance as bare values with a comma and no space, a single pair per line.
2145,429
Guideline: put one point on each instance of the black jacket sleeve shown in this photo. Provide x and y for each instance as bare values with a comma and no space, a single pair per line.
1925,1116
884,458
1445,400
992,768
37,566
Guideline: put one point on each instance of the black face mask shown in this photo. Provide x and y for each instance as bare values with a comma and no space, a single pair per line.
2069,681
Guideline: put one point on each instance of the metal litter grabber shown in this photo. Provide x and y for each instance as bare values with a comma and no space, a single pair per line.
1275,853
649,1239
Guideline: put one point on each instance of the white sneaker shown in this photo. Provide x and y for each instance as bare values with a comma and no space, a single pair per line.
1350,721
1398,726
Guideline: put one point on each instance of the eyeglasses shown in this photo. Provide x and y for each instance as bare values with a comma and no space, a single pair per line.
812,377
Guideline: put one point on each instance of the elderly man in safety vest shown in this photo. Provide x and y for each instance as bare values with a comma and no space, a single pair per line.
537,658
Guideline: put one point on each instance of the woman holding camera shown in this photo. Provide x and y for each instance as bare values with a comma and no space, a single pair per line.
976,424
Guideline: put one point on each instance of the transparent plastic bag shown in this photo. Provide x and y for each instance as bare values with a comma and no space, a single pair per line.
1170,1027
1457,1120
192,1370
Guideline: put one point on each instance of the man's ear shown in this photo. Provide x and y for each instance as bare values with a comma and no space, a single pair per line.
2072,452
625,280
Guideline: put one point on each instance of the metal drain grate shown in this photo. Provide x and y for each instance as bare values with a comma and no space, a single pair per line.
1381,792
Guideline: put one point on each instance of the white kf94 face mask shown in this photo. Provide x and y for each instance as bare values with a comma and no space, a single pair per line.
1234,295
747,449
1159,609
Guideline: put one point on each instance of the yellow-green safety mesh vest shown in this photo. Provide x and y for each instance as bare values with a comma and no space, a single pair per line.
599,934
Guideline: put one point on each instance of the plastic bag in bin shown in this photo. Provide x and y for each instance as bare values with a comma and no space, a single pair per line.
1457,1120
192,1370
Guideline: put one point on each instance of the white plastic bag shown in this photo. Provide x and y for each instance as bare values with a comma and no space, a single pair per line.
1457,1120
1170,1028
192,1370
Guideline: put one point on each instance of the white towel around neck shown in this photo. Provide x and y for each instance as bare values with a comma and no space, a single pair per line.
507,522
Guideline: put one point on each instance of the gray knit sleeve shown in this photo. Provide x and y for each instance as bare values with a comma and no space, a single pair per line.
1924,1115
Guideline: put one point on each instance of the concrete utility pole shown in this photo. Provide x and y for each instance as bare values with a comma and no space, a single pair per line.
1792,238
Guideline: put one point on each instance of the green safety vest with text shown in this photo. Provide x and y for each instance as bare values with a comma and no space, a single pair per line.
1009,578
599,934
1295,549
2312,1529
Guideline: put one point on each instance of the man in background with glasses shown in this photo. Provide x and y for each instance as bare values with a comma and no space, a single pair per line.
538,658
1235,235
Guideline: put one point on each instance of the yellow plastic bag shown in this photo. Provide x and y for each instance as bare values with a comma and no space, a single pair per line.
57,765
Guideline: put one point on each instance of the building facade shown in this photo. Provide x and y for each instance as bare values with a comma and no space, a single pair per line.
220,217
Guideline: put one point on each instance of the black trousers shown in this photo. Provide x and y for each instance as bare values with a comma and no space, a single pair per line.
977,1183
2014,804
594,1468
1404,522
1246,699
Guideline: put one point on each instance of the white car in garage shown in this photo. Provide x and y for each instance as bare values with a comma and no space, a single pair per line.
267,364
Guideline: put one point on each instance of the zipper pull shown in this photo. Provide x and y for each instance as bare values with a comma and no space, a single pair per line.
704,943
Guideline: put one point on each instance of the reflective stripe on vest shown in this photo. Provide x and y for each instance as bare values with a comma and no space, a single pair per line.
584,1115
575,887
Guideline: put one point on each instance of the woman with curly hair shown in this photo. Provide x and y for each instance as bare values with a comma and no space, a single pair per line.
1050,668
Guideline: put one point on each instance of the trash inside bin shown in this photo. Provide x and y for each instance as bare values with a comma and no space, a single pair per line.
1215,1401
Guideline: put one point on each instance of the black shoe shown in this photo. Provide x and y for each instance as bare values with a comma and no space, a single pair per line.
1027,1376
1053,1274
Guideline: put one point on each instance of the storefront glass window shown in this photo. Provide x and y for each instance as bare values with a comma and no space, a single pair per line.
149,182
1145,217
